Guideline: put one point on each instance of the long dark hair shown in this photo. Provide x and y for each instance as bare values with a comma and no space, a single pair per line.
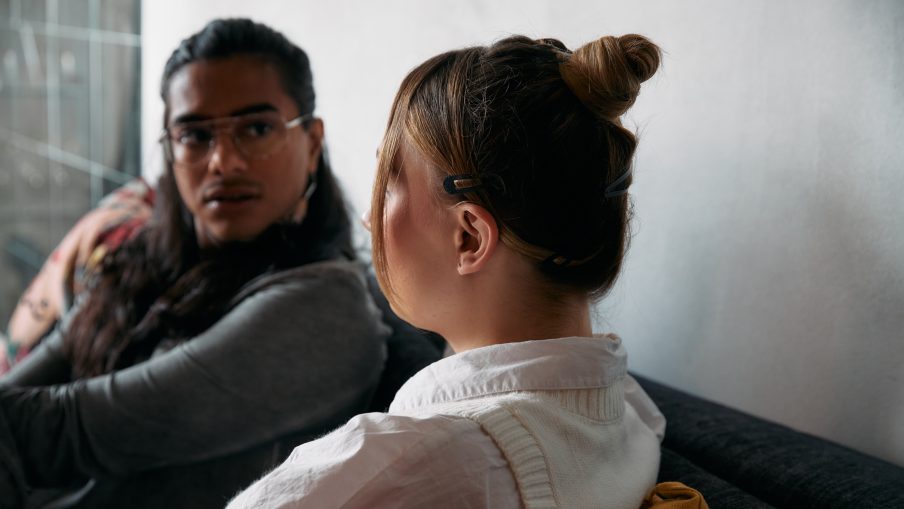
157,286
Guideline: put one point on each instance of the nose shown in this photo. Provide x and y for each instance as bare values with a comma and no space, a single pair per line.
365,219
225,156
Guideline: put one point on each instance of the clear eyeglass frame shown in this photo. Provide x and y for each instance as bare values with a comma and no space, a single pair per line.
254,135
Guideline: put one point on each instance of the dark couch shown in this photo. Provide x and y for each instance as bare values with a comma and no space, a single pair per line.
739,461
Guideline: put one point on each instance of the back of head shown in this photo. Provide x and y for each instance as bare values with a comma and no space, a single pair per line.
538,127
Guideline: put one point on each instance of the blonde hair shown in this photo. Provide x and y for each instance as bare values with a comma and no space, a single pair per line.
542,123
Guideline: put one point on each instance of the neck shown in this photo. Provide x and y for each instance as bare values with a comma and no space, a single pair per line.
574,321
514,307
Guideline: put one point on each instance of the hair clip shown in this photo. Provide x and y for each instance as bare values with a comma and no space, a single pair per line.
611,191
556,261
460,184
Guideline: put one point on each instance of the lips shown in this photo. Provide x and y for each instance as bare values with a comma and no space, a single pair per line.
221,194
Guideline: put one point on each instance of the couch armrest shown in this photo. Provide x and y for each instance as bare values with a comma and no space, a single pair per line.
774,463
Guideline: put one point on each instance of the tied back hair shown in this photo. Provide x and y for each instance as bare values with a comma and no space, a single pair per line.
542,121
157,286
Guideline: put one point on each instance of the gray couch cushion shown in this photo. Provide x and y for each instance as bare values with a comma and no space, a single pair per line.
775,464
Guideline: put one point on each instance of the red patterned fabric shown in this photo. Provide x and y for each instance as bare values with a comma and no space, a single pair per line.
117,218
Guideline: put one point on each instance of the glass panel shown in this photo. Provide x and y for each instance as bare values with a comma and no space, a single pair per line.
33,10
69,108
32,202
70,197
74,13
119,16
120,115
74,98
8,79
6,183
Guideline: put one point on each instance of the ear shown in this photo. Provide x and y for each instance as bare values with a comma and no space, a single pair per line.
314,132
476,237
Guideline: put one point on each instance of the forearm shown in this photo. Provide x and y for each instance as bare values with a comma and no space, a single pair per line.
281,363
45,366
12,476
46,436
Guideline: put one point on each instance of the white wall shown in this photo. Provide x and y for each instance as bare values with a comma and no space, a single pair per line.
767,271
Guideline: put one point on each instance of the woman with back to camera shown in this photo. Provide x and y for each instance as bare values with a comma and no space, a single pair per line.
500,213
232,327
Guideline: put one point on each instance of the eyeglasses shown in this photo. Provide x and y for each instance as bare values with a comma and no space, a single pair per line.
255,136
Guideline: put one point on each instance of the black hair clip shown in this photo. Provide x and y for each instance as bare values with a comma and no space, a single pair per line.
555,262
460,184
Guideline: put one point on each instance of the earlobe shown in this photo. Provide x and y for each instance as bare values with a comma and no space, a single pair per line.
476,237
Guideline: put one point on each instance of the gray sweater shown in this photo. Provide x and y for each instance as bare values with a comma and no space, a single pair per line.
299,354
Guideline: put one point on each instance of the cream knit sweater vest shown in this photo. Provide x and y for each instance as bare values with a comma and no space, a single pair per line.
572,449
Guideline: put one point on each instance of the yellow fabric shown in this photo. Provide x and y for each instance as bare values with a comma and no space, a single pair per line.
674,495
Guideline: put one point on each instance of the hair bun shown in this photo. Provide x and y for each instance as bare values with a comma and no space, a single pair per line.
606,74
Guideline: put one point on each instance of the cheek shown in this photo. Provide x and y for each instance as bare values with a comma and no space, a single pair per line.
416,262
282,184
284,175
411,250
291,165
188,187
401,240
394,219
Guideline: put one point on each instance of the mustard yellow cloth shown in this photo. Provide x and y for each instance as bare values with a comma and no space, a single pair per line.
674,495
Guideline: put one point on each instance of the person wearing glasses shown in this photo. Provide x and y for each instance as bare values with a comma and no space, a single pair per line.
231,327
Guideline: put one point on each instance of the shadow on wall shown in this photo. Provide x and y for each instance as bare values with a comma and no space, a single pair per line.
768,268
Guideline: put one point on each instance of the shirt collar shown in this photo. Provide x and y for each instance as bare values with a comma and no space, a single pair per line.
547,364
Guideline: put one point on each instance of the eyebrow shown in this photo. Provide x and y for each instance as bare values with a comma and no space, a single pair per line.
254,108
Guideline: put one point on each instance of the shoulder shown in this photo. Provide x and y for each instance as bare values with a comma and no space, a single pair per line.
342,275
384,457
320,314
429,456
336,285
386,439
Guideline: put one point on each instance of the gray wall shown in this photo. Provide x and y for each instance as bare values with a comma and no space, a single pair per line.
767,270
768,267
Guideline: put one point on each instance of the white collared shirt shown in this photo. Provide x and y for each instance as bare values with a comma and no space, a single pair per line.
547,423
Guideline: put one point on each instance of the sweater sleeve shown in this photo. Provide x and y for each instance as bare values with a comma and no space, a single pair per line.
385,460
46,365
294,357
